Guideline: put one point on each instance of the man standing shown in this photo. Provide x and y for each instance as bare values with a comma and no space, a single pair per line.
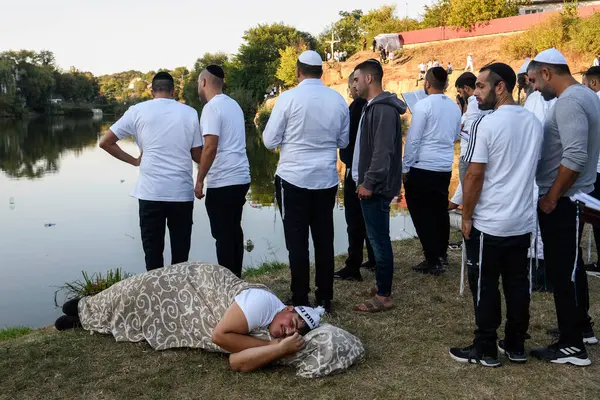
567,166
309,123
377,171
465,87
168,135
225,165
427,168
357,234
498,218
596,62
469,63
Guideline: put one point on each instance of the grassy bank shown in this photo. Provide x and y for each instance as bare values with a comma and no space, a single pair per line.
406,354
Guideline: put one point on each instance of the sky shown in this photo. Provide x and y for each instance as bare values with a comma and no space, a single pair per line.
107,36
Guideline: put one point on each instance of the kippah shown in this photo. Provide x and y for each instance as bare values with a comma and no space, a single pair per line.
505,72
216,71
162,76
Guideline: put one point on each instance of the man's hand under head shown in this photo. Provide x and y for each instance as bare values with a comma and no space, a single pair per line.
292,344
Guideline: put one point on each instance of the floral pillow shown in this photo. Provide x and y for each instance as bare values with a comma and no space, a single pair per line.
328,350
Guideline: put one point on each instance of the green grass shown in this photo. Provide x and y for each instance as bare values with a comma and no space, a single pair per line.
90,285
406,353
265,268
13,333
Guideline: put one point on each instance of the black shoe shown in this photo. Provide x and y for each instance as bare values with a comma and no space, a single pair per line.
326,304
444,261
473,355
553,331
592,269
70,308
589,337
368,265
65,322
436,270
422,266
514,355
347,274
559,353
291,301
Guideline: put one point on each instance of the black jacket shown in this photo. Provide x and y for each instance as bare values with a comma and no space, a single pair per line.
380,160
355,108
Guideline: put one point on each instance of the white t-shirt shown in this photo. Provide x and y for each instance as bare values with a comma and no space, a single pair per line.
509,141
259,307
166,131
223,117
356,154
538,106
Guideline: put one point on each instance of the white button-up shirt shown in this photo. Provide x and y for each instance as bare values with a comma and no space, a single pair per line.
434,128
309,123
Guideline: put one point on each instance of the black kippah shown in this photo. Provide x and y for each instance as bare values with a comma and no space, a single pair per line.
216,71
162,76
505,72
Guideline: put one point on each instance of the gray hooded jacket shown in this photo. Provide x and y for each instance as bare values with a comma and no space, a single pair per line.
380,160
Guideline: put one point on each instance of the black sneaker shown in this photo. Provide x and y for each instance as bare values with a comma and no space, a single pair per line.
291,301
559,353
436,270
592,269
368,265
347,274
514,355
444,261
65,322
422,266
589,337
473,355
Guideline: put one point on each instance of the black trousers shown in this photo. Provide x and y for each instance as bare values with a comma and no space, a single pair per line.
427,199
224,206
357,233
303,209
504,257
571,299
178,217
596,194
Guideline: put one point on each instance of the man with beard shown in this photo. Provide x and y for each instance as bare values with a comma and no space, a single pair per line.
427,169
498,218
357,234
567,166
225,165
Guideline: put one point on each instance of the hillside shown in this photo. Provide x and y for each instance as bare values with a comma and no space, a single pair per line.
401,76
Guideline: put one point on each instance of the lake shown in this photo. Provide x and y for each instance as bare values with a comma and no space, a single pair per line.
65,208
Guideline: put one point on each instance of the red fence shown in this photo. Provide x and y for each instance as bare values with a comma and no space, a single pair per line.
495,26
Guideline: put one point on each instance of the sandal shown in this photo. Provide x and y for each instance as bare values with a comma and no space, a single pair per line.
373,305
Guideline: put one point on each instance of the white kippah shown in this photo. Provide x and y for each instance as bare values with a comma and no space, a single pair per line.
551,56
312,316
310,57
523,69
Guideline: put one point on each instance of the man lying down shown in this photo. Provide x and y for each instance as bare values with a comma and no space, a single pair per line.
196,305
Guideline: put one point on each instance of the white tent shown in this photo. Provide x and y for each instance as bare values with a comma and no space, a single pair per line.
392,38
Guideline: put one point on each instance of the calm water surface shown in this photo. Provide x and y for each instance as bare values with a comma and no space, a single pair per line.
53,173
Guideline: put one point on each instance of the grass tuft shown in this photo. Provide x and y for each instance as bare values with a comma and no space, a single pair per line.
265,268
90,284
13,333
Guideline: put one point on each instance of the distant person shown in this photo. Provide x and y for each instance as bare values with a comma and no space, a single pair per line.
377,172
374,44
567,166
422,71
308,123
592,80
498,219
427,169
168,135
469,63
357,234
364,44
596,62
450,68
436,63
225,166
429,65
382,54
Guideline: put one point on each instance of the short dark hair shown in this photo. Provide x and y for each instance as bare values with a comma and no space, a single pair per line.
163,82
371,67
438,77
500,72
310,71
558,69
593,71
466,79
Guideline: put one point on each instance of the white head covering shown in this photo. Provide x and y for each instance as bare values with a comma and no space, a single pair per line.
523,69
310,57
551,56
312,316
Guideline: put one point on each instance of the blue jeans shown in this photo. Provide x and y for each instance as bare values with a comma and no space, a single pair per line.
376,212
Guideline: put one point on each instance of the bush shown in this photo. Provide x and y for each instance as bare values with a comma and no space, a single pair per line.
262,117
91,285
587,37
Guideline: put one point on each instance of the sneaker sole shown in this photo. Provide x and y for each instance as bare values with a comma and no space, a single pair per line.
467,361
510,358
578,362
593,273
590,341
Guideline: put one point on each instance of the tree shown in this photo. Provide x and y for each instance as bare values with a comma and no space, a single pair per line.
436,14
384,20
468,13
190,88
180,75
255,65
347,29
286,72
